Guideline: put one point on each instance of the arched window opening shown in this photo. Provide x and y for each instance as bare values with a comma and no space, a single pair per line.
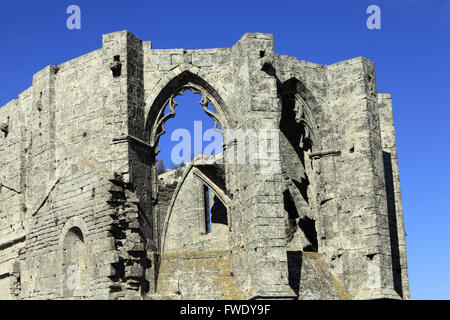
207,207
74,263
188,127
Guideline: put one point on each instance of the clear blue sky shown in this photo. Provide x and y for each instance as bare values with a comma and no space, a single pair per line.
411,53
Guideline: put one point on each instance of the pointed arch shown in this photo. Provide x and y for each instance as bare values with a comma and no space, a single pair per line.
162,96
177,85
221,194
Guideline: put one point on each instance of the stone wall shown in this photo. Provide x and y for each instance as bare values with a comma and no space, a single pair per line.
78,178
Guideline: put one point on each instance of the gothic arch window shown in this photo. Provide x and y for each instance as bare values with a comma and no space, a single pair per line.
207,102
163,108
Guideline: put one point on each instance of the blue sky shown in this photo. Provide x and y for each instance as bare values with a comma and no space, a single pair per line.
411,54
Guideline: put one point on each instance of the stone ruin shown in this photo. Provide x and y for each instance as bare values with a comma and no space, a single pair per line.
84,214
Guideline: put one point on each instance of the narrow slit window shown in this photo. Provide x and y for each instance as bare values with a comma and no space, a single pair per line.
208,224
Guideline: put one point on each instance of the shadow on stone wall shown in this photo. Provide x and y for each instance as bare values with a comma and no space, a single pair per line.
395,251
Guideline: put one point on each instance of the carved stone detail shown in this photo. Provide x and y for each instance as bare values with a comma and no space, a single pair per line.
206,100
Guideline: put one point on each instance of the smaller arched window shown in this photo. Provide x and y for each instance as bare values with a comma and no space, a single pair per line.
74,263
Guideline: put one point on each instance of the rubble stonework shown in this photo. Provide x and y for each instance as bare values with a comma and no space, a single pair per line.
84,214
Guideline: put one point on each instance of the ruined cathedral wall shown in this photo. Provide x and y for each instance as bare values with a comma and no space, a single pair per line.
259,192
12,199
351,205
78,175
355,210
61,135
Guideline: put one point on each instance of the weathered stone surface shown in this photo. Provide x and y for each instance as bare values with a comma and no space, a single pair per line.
84,214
